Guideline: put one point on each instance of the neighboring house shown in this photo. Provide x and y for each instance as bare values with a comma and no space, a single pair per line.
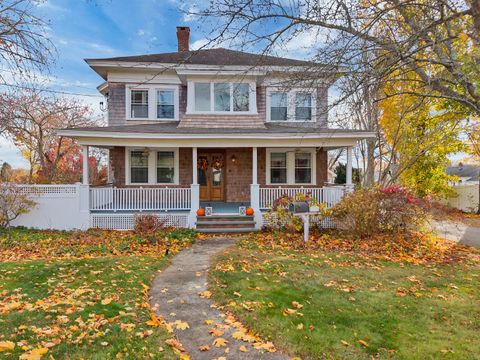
465,174
209,128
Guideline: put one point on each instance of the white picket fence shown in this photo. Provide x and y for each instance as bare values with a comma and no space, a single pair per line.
328,195
139,199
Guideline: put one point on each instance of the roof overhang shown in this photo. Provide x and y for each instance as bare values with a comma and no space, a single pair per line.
217,140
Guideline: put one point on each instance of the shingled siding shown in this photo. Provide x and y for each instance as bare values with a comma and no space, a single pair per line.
116,104
238,174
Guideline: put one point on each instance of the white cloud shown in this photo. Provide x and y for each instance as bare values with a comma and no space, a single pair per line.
140,32
199,44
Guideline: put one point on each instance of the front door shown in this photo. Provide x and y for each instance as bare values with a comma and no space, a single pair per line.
211,175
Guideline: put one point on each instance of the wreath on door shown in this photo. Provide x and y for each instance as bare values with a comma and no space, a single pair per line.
217,164
202,164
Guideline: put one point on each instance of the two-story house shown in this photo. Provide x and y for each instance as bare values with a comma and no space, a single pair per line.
210,128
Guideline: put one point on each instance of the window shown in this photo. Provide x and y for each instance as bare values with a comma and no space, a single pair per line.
139,104
291,167
303,106
221,93
221,97
303,168
278,168
139,167
165,104
278,106
165,167
151,102
202,96
241,97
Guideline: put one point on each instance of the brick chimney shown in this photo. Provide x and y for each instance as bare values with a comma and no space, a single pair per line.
183,37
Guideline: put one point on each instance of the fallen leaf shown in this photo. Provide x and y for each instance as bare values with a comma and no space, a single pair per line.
204,348
345,343
297,305
243,348
363,342
181,325
6,345
106,301
219,342
206,294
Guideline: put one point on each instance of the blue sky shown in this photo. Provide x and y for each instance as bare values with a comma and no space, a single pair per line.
103,28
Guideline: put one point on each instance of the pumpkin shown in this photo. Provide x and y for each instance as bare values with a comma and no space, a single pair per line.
201,212
249,211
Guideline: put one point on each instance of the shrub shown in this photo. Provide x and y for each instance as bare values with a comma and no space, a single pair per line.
280,218
13,203
147,225
391,209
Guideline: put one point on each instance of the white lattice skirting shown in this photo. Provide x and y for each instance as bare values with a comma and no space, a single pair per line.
127,221
325,223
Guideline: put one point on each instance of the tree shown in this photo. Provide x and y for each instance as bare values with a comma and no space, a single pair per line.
13,203
5,172
473,132
31,122
437,40
24,43
341,174
421,135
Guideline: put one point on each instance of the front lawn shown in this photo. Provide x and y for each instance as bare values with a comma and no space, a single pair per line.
331,304
83,296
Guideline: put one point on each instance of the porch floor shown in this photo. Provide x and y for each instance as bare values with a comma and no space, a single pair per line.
221,207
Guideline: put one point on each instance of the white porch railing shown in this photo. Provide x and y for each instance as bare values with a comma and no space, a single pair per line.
139,199
328,195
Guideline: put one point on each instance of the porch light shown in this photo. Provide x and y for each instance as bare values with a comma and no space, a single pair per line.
233,159
146,152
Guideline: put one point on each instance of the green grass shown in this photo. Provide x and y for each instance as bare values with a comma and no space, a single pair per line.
348,299
61,304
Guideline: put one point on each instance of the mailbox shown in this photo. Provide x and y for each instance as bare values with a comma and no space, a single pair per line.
299,207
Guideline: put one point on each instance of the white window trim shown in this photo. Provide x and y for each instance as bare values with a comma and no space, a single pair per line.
152,100
291,165
252,100
291,96
152,166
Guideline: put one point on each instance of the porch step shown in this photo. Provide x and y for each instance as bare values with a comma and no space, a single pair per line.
225,224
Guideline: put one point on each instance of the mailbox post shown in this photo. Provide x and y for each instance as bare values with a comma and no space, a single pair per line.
302,209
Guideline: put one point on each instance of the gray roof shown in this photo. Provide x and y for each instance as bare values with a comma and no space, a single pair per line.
465,171
219,56
172,128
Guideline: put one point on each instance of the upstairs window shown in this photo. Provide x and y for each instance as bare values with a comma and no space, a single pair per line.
202,96
303,106
221,93
139,104
165,104
221,97
139,167
293,105
151,102
278,108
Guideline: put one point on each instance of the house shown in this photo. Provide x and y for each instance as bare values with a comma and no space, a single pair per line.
213,128
465,174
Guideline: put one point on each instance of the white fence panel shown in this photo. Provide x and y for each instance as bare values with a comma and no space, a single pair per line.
140,199
59,207
328,195
467,199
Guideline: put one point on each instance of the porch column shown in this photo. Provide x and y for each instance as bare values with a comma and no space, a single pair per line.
255,190
85,165
349,182
194,192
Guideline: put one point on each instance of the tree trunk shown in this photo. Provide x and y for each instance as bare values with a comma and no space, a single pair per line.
370,171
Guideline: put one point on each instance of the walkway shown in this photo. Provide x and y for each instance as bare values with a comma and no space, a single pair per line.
175,295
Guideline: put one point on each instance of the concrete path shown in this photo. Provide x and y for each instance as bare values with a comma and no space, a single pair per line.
175,296
457,231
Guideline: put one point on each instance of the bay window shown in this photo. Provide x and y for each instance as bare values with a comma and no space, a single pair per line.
139,104
290,166
292,105
221,97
